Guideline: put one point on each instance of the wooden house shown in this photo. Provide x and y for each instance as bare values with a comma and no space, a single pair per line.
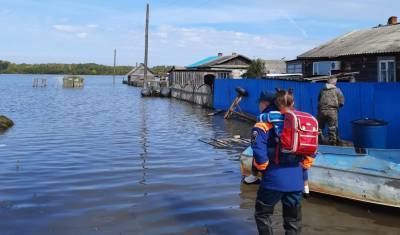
374,53
208,69
136,76
195,83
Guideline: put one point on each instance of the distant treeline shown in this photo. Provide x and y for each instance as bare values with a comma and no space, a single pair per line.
84,69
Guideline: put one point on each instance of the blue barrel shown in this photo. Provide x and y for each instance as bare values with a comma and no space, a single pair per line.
370,133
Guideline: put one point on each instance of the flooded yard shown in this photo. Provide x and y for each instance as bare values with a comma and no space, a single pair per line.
103,160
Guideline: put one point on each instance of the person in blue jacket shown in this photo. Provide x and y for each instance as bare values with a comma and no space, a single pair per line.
277,118
266,104
282,173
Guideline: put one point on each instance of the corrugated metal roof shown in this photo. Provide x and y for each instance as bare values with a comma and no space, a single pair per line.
203,61
220,60
215,61
384,39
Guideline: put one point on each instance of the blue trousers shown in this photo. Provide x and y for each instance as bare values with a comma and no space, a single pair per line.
291,209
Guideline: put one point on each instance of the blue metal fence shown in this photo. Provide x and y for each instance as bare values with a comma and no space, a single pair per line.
363,100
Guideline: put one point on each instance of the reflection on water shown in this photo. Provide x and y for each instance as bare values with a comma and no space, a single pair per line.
102,160
144,134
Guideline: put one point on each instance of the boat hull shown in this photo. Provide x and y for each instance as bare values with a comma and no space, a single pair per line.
355,186
372,178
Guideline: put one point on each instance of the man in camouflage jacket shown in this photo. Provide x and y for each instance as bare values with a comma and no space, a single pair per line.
330,99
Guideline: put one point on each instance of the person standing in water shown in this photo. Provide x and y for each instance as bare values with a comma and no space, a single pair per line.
277,118
330,100
265,105
282,174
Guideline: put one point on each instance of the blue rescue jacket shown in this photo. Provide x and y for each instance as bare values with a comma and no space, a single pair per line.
281,172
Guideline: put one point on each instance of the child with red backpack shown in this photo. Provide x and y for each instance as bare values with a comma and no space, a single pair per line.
277,119
275,116
281,151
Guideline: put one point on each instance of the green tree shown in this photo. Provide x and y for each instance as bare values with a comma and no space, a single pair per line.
256,69
81,69
4,65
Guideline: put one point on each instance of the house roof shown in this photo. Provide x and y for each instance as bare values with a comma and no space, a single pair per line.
135,69
203,61
201,70
382,39
215,61
275,66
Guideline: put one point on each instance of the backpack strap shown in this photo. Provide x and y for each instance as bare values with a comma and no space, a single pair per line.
277,150
278,143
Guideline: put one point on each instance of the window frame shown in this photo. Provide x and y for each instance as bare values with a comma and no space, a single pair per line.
295,68
386,62
315,69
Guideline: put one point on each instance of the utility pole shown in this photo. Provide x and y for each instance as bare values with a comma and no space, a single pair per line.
146,45
115,60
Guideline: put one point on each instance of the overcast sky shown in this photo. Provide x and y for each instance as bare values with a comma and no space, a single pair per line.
181,31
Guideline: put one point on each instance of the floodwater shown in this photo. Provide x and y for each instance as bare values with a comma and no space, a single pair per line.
102,160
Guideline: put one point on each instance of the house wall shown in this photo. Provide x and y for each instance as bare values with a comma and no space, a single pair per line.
138,75
366,65
194,78
189,86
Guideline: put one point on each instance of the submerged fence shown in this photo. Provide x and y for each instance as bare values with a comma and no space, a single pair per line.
363,100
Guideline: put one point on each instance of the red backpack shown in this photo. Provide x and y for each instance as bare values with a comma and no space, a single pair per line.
299,134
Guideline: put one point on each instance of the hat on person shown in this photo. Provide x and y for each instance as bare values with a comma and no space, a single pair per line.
266,96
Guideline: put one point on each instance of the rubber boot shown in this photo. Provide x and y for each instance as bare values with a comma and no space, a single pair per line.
332,138
263,215
292,220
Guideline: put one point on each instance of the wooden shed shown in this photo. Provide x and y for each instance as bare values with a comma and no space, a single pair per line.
136,76
73,81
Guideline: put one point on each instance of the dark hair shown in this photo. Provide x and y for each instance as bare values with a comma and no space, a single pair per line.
284,99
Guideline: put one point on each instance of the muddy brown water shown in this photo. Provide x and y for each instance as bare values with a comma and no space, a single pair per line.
102,160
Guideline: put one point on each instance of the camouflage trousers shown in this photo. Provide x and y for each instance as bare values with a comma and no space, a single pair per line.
329,118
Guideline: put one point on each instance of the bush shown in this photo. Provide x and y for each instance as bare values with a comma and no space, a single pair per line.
256,69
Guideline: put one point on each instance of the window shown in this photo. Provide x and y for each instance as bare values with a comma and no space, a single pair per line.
295,68
315,68
387,71
322,68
